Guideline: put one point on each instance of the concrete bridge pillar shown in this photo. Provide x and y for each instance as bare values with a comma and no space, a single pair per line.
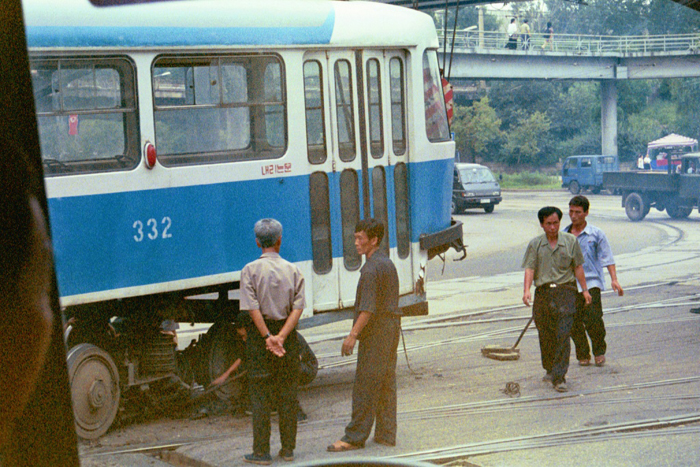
608,117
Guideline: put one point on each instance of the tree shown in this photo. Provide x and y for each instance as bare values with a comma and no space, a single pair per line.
476,127
524,140
657,120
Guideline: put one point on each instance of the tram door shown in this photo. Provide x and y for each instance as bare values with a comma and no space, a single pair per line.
335,185
385,139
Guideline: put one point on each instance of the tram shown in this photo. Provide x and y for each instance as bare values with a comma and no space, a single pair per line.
168,129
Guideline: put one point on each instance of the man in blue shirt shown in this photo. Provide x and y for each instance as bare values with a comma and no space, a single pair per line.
597,254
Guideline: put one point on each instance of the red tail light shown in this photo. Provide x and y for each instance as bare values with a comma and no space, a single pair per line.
150,151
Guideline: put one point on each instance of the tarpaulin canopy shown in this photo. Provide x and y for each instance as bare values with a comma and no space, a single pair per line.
672,140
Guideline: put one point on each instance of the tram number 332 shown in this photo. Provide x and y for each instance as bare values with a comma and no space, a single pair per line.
150,229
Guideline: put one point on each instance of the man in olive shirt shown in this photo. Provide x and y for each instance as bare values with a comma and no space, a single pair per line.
554,261
272,290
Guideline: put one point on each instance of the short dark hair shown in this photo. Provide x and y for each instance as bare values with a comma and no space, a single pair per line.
580,201
547,211
372,227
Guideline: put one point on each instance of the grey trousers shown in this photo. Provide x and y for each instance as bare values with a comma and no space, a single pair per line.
374,391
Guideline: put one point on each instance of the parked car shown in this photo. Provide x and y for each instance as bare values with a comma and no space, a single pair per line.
474,187
586,172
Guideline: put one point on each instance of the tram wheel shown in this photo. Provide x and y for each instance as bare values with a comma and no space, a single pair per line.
94,385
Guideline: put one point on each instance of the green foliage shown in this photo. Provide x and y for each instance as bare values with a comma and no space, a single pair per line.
657,120
524,141
476,127
524,180
621,17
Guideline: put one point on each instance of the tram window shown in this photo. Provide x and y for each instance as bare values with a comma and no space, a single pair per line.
274,113
212,109
344,110
350,214
436,125
86,114
403,225
374,102
379,198
320,223
315,124
398,113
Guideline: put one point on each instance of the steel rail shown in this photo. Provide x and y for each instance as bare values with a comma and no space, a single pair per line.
431,412
522,442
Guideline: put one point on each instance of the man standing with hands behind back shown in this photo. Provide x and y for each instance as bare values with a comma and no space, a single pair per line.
272,290
554,262
377,326
597,255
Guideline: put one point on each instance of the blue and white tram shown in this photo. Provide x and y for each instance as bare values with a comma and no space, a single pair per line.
168,129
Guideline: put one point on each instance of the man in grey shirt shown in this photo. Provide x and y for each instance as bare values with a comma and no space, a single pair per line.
272,290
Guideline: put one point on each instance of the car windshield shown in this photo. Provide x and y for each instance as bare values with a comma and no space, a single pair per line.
476,175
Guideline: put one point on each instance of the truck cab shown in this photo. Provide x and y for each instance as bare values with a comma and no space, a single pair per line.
586,172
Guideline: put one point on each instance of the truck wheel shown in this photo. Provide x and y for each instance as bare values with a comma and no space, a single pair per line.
488,209
678,212
94,388
574,187
595,190
635,207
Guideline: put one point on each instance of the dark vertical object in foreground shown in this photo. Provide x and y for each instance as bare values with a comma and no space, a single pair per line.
45,432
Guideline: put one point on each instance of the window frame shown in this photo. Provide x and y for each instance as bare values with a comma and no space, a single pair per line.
398,146
313,151
258,146
128,108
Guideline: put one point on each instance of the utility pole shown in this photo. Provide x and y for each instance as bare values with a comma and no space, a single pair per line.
481,25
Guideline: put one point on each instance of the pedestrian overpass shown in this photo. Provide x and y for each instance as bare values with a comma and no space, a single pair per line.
482,55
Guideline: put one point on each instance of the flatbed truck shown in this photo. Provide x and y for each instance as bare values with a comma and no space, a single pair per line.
676,191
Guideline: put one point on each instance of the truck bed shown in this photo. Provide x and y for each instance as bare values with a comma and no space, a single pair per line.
641,181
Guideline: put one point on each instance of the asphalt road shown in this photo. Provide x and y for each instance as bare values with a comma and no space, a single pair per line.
641,409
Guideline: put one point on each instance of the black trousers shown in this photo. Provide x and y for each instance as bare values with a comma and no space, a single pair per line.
374,390
589,319
554,310
273,380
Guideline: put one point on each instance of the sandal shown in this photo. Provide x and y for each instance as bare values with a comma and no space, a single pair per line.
342,446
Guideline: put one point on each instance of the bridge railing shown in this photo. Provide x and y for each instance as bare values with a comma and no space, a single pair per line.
578,43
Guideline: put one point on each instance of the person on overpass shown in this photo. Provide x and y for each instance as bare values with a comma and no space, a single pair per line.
512,33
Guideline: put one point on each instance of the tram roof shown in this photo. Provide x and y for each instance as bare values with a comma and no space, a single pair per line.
203,23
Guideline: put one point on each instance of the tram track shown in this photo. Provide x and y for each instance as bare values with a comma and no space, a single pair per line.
455,410
685,300
666,426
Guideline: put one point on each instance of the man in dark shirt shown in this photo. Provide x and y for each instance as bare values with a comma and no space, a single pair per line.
377,326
